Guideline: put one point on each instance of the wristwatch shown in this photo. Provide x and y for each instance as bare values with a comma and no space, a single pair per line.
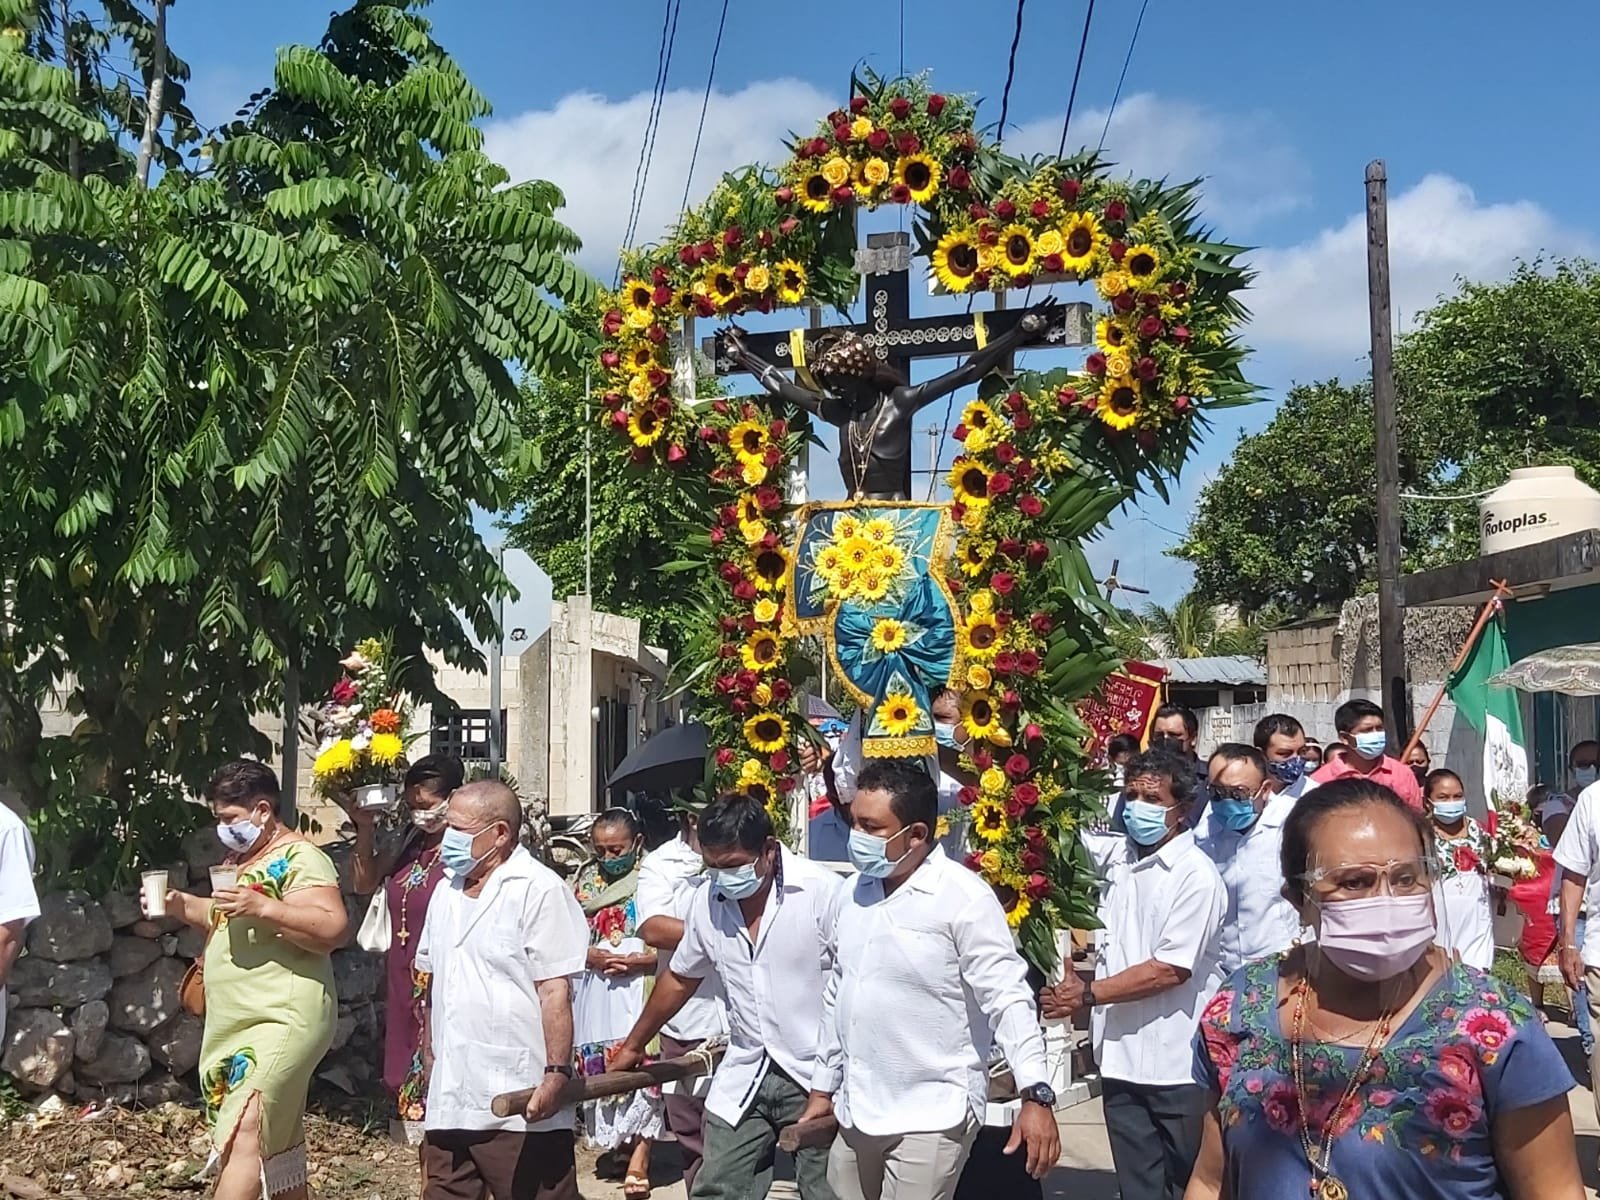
560,1069
1039,1093
1088,996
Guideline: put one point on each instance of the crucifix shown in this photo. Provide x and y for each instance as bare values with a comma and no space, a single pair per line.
858,377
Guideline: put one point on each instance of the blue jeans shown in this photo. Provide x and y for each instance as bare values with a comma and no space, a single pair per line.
1580,1005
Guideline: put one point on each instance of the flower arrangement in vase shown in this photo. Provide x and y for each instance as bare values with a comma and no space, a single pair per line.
362,728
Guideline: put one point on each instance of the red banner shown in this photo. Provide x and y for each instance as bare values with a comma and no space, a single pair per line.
1126,703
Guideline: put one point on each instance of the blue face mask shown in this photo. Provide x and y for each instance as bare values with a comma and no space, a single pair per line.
1146,822
869,854
455,852
1237,815
1449,811
1372,744
736,883
1289,771
945,735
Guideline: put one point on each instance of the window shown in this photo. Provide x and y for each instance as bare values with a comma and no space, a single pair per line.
465,734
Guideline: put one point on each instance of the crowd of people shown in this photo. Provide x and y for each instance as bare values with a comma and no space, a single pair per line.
1290,991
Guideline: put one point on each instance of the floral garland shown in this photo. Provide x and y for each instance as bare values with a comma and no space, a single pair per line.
1042,464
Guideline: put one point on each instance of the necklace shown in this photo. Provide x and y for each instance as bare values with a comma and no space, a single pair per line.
1324,1184
416,875
861,445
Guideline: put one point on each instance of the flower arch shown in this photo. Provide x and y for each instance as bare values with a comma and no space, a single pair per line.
1044,458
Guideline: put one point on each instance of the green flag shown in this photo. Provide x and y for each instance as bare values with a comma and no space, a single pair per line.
1496,713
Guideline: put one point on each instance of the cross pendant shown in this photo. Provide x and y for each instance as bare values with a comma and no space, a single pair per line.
403,937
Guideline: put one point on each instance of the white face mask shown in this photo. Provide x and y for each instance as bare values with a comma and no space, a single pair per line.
1583,777
239,836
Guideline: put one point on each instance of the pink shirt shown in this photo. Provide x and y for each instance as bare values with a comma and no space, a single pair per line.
1390,772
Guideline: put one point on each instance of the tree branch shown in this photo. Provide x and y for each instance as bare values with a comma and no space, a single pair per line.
155,96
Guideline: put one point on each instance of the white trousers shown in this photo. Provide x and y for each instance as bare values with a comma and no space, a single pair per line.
907,1166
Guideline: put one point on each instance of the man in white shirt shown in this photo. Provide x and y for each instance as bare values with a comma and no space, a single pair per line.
925,979
1243,835
502,939
764,931
1282,742
19,902
669,877
1156,968
1578,856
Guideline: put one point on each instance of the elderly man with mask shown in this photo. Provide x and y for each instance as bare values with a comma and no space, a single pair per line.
503,938
921,935
764,931
1243,836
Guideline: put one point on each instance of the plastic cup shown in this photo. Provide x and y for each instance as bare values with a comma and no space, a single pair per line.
224,879
153,887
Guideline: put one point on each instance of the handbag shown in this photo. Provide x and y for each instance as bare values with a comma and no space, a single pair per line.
192,991
376,933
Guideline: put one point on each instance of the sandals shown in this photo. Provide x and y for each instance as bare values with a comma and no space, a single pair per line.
636,1187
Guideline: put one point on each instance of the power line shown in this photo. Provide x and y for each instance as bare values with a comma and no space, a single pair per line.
1011,73
1117,95
1072,97
641,171
705,103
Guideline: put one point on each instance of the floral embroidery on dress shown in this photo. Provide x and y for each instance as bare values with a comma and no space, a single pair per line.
1462,855
222,1078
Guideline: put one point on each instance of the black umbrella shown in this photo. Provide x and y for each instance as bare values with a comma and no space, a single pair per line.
673,758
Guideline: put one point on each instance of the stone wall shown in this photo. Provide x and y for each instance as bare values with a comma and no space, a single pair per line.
93,1003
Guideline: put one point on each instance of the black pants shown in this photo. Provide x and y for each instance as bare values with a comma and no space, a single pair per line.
991,1174
1155,1137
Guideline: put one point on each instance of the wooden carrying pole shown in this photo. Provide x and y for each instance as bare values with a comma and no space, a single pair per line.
1490,606
615,1083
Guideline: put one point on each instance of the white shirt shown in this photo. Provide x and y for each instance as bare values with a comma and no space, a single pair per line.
774,985
18,899
1258,920
1299,787
486,954
924,981
1167,906
1578,852
668,880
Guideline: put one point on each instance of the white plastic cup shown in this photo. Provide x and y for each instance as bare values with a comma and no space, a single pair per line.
153,886
224,879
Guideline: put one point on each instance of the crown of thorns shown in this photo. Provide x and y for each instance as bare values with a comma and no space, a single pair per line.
845,354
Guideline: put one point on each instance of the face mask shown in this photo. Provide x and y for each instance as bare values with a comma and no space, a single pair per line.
1583,777
455,851
869,854
430,820
1289,771
1449,811
1167,741
1237,815
945,735
1146,822
1379,937
239,836
1373,744
736,883
616,868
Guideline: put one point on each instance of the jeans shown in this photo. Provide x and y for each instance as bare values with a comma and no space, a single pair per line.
1580,1005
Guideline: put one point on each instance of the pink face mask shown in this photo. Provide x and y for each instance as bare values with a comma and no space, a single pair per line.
1378,937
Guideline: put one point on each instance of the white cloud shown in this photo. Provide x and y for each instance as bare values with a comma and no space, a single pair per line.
1312,296
589,146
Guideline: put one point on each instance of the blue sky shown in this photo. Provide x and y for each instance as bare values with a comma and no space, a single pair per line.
1279,105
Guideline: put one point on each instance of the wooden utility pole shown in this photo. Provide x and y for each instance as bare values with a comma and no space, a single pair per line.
1391,609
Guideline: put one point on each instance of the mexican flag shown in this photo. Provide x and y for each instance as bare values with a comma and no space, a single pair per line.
1496,712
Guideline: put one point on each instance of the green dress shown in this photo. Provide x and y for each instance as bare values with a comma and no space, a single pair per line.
270,1013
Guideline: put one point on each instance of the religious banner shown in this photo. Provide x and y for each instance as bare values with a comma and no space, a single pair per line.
1125,703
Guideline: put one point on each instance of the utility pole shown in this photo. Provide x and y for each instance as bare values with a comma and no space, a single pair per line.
1391,610
496,665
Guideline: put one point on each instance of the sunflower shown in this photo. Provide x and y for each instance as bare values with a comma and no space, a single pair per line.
920,175
898,714
767,732
1143,264
751,523
639,357
768,569
720,286
766,611
791,281
1017,912
874,172
644,427
1016,244
335,760
845,527
969,482
749,441
816,193
980,637
1083,239
1049,242
757,279
973,557
888,635
1119,402
872,584
955,260
761,652
980,715
1111,334
983,427
979,676
889,559
829,561
836,171
638,303
386,748
879,530
989,820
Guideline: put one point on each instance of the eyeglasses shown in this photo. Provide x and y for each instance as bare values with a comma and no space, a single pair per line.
1247,795
1356,881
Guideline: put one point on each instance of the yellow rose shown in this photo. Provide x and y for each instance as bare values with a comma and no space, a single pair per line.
766,612
981,601
979,678
1118,363
993,780
758,279
836,171
860,127
762,695
875,171
990,862
1050,242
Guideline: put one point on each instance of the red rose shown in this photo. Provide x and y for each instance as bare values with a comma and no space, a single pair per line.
772,456
1053,263
724,757
658,275
1146,368
1018,766
960,433
958,511
1028,793
1116,211
1069,189
779,761
1022,421
1028,664
788,225
744,591
1023,469
1178,289
708,251
999,483
1117,250
1005,210
676,454
959,179
779,427
1040,209
610,360
703,306
1181,403
900,194
1030,505
619,419
656,334
878,140
1068,395
741,271
973,860
1038,886
1010,547
818,147
1150,300
612,400
1095,364
1124,303
768,498
661,296
1041,623
988,235
858,104
1005,662
900,107
968,796
843,194
729,572
1003,582
1032,860
841,134
908,143
1034,732
1037,553
1146,439
718,535
689,255
1180,334
747,679
1005,452
981,280
982,758
782,689
1034,834
784,195
977,212
611,322
659,379
784,783
936,104
1150,327
1014,808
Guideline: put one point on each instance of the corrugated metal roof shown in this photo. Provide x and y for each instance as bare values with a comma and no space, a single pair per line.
1234,670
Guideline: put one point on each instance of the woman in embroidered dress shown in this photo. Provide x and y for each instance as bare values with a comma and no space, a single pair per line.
408,872
608,998
270,1005
1371,1064
1461,891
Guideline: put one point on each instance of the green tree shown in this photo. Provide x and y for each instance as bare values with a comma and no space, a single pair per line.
249,412
1188,628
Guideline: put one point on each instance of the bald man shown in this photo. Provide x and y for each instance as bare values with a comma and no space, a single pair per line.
503,938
